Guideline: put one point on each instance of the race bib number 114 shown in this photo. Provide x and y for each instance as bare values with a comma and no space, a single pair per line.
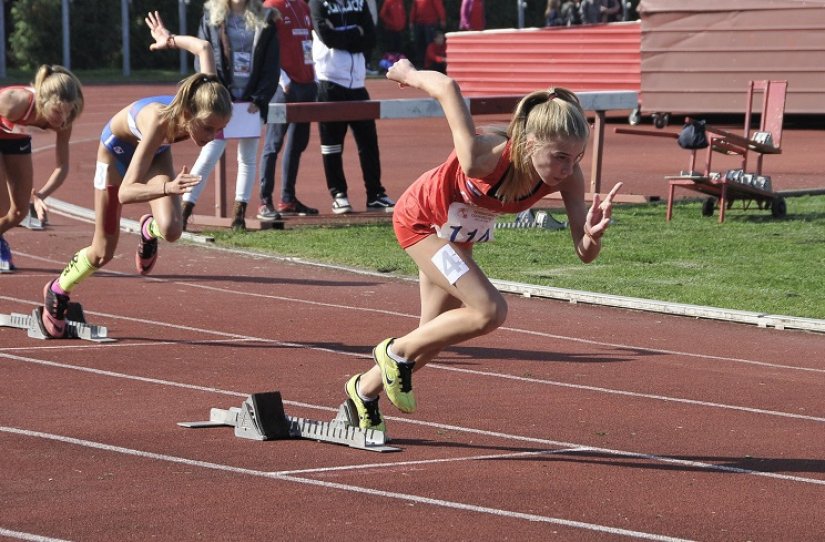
467,224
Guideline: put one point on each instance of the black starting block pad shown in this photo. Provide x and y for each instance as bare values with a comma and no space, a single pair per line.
31,221
76,326
262,417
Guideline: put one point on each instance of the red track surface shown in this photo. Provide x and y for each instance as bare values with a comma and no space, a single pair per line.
572,422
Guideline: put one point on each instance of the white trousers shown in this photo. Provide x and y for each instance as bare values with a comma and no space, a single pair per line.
208,159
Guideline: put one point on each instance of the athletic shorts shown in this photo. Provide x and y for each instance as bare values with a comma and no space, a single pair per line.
17,145
123,151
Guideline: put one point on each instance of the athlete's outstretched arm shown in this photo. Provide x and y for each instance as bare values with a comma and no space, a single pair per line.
475,152
164,39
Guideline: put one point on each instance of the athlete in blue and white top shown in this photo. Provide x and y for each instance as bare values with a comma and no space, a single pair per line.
134,165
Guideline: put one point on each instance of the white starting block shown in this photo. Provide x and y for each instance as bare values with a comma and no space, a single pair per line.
76,326
262,417
31,221
528,219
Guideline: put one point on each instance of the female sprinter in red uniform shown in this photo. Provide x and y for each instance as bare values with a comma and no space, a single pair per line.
134,165
450,208
52,102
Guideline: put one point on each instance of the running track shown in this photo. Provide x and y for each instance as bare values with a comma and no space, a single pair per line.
572,422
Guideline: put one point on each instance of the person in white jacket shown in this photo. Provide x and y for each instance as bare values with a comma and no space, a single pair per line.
342,31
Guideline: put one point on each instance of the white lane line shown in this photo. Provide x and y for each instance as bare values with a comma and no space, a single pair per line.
638,395
29,536
618,346
634,394
396,464
454,505
494,434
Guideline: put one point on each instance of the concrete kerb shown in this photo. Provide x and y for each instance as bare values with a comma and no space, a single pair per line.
763,320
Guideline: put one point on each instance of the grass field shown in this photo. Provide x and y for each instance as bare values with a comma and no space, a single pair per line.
751,262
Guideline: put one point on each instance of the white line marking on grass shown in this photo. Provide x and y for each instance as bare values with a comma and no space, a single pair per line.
453,505
494,434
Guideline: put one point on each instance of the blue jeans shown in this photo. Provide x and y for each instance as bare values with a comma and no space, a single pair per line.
297,138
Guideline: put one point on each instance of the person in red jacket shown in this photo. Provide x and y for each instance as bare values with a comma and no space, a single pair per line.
436,58
426,16
296,84
393,18
472,15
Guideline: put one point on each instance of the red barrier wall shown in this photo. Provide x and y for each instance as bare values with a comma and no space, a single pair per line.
581,58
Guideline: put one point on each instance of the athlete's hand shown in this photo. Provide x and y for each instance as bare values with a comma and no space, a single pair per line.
40,208
181,184
598,217
163,38
400,71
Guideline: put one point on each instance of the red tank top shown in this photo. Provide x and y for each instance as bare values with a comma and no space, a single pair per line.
13,129
443,197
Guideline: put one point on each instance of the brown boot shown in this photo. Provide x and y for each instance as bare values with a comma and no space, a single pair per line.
239,213
188,207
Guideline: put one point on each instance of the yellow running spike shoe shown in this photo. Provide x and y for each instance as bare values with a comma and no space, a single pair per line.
397,378
369,417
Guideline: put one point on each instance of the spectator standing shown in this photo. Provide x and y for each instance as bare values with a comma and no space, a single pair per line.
436,58
591,11
393,18
571,13
612,11
552,13
343,30
243,39
297,84
426,16
472,15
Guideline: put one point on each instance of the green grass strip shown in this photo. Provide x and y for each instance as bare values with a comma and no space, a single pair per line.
751,262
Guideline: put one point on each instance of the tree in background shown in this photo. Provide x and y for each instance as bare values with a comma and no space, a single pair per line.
95,33
35,32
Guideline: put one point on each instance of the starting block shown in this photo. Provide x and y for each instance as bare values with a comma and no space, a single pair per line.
528,219
31,221
76,326
262,417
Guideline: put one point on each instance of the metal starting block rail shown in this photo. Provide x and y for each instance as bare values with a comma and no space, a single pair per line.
528,219
262,417
76,326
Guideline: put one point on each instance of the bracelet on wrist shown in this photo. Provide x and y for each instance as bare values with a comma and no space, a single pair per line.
170,41
164,187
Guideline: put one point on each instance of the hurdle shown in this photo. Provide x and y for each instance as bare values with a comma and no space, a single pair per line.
597,102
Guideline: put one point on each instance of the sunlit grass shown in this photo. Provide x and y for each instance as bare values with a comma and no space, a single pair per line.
751,262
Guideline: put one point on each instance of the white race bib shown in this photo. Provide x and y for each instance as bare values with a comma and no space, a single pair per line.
467,224
242,64
307,46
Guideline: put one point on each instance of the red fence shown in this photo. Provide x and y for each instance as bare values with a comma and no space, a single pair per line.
590,57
